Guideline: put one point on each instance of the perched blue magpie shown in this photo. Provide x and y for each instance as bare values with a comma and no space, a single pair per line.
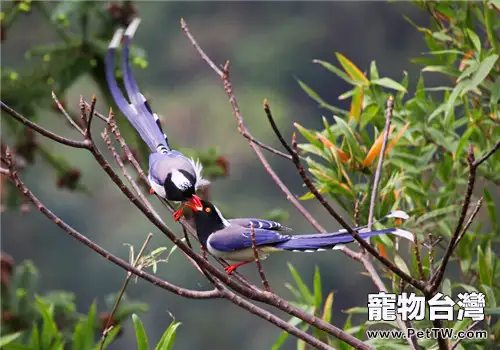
172,175
231,239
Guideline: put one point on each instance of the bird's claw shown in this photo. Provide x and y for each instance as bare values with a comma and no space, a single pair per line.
177,215
230,269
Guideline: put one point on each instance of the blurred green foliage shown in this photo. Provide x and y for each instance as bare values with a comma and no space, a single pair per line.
51,321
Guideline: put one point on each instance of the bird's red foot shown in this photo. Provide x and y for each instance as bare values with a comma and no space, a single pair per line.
231,268
178,214
151,191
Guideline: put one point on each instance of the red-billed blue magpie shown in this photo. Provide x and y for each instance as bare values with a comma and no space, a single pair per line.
231,239
172,175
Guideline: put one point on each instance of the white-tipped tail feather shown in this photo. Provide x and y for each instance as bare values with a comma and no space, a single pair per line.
404,234
132,27
117,38
398,214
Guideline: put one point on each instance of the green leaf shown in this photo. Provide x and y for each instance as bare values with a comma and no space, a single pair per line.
168,339
327,309
9,338
492,311
308,135
373,71
112,334
389,83
447,70
475,39
349,135
140,333
401,264
281,339
461,145
495,93
484,267
322,103
490,295
356,310
353,71
49,328
318,297
304,290
490,204
482,72
446,287
336,71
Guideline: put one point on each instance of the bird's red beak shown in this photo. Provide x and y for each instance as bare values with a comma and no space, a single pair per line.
196,204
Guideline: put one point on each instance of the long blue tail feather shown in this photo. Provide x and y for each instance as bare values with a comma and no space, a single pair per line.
137,114
328,241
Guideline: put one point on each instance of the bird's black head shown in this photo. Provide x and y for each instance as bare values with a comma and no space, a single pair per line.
208,220
179,185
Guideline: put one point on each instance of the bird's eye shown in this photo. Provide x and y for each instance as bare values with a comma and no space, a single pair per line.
208,210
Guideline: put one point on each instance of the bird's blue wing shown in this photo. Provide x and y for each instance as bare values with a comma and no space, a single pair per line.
259,223
235,238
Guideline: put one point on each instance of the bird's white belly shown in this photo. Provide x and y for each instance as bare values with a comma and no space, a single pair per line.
160,190
240,255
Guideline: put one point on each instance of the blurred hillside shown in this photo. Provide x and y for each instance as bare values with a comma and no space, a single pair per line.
269,45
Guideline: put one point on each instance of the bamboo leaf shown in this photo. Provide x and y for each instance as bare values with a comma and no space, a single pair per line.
390,84
352,70
140,333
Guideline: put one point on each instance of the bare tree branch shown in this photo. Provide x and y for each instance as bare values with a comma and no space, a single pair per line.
43,131
487,155
469,222
378,171
257,260
90,116
437,278
63,111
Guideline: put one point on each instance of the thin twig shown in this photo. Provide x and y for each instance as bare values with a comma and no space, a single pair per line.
120,164
356,212
487,155
266,147
469,222
472,325
43,131
438,277
65,113
378,171
416,251
97,114
188,242
257,260
90,116
108,326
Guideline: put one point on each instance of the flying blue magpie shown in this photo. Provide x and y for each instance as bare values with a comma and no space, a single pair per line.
172,175
231,239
